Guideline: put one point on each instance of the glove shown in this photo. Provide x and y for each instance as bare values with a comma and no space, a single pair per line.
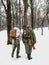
34,47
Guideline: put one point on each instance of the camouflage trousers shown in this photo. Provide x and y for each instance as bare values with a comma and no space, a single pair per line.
16,44
28,47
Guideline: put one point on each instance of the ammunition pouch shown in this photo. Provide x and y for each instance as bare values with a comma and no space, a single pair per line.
27,37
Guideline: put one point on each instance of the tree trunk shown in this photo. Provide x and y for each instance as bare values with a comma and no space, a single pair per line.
25,11
20,14
16,7
0,15
8,13
31,3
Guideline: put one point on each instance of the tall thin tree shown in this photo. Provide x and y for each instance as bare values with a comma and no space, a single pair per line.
31,3
8,16
20,13
0,14
25,2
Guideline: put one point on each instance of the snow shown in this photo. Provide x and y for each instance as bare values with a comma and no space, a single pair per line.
40,55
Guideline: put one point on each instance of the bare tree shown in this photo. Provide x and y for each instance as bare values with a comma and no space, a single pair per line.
25,11
31,3
16,6
20,13
8,16
47,11
0,14
12,14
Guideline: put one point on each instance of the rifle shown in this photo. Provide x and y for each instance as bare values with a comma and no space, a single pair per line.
32,41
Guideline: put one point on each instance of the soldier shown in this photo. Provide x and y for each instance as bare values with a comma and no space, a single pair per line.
28,41
16,42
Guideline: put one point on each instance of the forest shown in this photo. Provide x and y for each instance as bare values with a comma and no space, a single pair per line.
34,13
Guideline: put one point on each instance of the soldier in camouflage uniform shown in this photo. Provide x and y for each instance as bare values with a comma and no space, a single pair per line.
27,41
16,43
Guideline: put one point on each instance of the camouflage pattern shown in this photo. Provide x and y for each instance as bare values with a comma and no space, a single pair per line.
28,47
27,40
16,44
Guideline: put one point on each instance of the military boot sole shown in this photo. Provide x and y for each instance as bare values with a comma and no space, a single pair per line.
18,56
29,58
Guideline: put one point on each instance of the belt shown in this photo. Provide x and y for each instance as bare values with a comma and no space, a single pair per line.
17,37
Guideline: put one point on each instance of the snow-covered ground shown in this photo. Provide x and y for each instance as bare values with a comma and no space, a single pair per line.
40,56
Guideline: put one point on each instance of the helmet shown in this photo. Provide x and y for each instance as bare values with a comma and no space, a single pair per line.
24,26
28,26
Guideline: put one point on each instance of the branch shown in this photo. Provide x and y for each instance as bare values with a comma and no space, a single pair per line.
3,4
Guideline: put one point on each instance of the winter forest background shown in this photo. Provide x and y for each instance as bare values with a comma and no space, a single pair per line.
34,13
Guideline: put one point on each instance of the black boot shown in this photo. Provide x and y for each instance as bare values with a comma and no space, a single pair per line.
17,56
12,55
29,56
18,49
